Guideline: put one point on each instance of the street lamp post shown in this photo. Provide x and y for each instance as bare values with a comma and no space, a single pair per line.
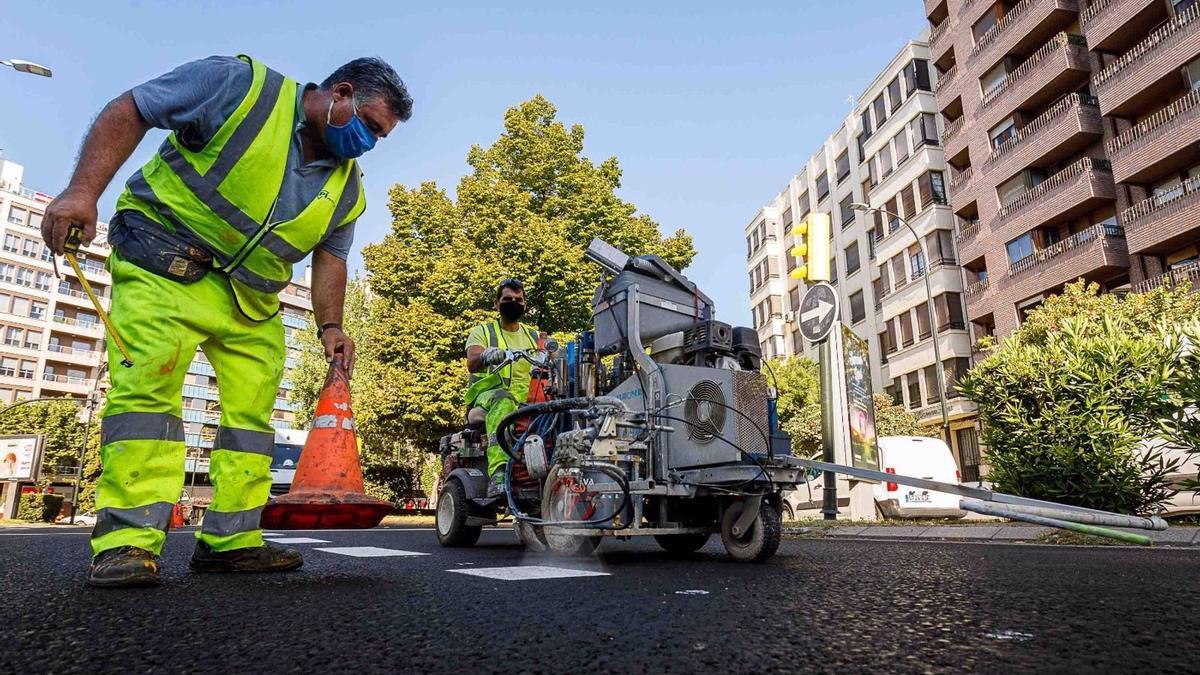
937,348
27,67
93,400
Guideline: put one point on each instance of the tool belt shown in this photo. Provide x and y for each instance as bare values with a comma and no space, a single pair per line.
151,247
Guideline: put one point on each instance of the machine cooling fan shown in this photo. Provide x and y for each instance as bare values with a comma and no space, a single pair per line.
705,411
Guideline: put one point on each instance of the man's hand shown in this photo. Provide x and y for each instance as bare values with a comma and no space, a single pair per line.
492,356
72,208
338,345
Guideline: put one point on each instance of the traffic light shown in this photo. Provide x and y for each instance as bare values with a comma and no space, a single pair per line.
812,248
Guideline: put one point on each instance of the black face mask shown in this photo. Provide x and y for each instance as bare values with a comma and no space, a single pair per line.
512,310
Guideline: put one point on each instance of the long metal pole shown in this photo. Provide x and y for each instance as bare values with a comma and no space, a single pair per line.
93,400
828,429
937,347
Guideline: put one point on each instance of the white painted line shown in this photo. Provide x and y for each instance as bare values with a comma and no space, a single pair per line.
368,551
298,540
528,572
273,534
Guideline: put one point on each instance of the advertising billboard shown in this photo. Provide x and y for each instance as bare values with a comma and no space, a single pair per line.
864,443
20,457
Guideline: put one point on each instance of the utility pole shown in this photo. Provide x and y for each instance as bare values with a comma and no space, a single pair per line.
93,400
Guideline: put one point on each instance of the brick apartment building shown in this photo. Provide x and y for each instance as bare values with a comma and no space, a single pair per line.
1071,130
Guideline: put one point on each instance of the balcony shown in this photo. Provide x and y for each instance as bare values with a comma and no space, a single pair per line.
953,140
59,352
945,80
1078,189
1176,278
1163,143
76,298
1028,24
1062,130
966,230
959,180
1111,25
88,327
1103,238
936,34
1165,221
1060,65
976,289
1151,68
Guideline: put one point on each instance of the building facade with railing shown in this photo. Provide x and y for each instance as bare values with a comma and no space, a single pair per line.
888,154
54,343
1078,125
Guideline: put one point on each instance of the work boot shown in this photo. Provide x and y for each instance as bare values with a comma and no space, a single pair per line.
124,567
496,485
265,558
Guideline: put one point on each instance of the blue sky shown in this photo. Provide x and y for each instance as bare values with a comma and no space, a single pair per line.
709,107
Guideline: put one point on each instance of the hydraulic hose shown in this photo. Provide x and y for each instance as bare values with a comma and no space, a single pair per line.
556,406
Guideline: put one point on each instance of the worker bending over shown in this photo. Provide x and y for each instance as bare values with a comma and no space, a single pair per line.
258,171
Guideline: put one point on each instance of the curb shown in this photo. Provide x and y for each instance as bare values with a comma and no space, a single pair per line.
1175,536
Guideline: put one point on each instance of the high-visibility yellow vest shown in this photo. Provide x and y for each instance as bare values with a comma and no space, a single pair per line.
225,194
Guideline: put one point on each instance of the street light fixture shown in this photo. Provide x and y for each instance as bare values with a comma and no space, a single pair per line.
937,348
27,67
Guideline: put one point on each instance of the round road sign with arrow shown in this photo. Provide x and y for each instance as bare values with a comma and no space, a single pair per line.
818,312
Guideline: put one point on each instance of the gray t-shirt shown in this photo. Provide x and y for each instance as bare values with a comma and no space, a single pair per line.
195,99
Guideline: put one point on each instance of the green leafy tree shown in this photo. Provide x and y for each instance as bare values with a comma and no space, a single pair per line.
1068,400
528,209
59,422
799,383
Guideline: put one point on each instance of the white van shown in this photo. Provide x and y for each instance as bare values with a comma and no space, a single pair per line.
919,457
285,458
915,456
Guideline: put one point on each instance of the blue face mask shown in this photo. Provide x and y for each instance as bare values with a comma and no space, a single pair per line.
350,140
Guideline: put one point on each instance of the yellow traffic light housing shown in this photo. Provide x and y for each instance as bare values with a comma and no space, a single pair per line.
812,248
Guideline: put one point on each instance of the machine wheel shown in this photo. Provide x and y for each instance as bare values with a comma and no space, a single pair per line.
761,542
452,510
788,513
559,505
682,544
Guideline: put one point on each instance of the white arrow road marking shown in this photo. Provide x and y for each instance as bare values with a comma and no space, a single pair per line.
819,312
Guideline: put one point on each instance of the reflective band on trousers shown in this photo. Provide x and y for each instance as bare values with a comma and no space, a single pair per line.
244,440
140,426
224,524
156,515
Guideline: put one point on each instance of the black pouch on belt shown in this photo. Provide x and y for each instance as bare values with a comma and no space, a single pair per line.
151,247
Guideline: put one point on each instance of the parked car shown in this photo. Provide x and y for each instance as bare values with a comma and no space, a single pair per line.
916,456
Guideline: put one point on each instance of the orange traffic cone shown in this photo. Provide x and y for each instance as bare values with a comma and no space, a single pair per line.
327,490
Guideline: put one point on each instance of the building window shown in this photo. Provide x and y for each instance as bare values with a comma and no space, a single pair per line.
879,107
986,22
27,368
916,258
923,329
931,383
843,166
12,336
893,91
1001,133
8,367
954,369
29,248
924,130
1020,248
794,299
12,243
37,310
914,390
822,186
908,200
16,215
852,262
33,339
802,202
993,79
885,161
862,152
833,270
899,276
916,76
940,245
933,188
858,311
901,142
949,310
866,124
848,213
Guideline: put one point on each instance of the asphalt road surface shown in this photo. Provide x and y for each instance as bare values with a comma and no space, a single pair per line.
394,601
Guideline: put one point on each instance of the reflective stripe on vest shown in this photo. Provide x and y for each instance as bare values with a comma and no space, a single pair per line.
224,194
